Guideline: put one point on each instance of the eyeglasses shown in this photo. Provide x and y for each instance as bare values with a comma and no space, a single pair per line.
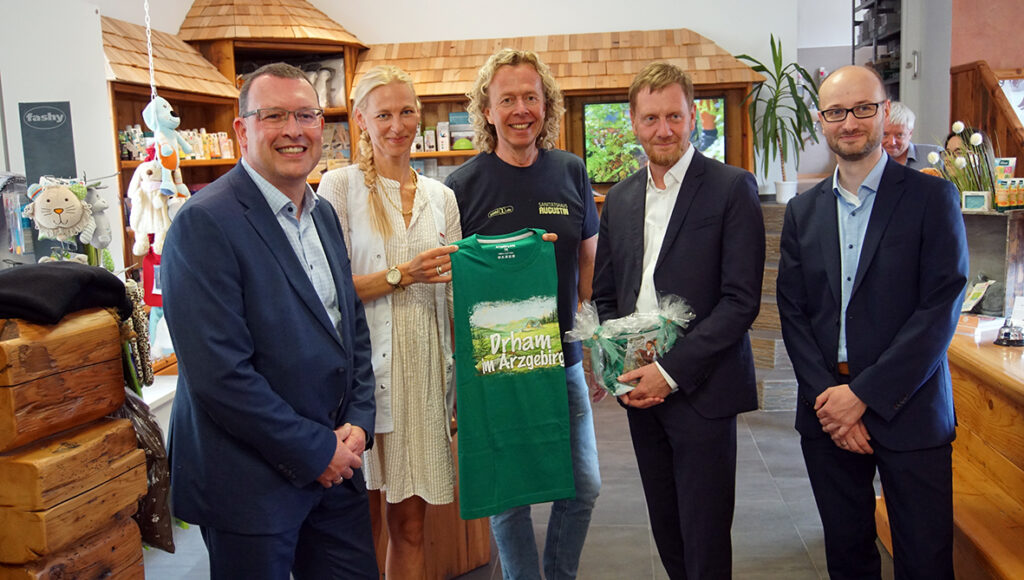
275,117
860,111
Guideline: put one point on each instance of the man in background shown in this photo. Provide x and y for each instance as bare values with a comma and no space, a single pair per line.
519,180
690,226
275,391
871,278
899,128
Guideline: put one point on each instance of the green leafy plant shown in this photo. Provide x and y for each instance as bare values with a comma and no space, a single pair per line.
781,120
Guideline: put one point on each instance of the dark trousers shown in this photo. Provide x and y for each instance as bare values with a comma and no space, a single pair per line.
918,490
335,541
688,469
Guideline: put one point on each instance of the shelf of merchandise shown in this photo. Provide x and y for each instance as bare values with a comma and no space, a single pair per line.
884,43
185,163
445,154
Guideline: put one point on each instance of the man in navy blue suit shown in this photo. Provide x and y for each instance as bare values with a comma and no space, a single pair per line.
275,391
690,226
871,278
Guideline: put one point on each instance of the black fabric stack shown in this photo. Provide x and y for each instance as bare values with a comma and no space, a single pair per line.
44,293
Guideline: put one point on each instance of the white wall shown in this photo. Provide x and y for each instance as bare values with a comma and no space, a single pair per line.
164,15
824,23
738,26
37,67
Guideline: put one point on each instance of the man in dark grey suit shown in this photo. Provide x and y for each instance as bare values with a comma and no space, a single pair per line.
690,226
871,278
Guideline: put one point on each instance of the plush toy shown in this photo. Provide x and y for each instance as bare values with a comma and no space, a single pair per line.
151,211
161,118
103,234
60,212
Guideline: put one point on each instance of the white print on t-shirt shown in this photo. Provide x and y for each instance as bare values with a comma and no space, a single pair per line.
516,336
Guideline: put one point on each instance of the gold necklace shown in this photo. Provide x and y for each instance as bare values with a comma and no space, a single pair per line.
391,202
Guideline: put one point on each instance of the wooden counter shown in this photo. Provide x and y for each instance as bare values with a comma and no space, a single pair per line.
988,459
996,366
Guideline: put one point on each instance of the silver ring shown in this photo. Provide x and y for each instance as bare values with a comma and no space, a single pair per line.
440,272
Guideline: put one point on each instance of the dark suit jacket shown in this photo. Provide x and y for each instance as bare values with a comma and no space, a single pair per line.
902,313
713,257
264,377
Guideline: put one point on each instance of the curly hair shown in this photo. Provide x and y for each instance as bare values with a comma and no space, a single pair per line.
377,76
485,136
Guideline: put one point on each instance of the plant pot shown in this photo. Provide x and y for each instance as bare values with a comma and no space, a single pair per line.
785,191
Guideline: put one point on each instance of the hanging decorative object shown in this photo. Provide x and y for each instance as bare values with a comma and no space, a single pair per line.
156,189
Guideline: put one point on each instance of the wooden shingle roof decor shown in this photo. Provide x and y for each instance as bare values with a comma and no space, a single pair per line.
282,20
177,65
580,62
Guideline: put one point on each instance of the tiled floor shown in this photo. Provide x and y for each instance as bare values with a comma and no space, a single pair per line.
776,531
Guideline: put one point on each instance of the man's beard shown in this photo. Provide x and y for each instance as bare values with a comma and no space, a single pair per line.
668,158
872,142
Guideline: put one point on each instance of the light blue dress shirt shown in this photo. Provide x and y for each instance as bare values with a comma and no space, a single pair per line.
853,213
304,239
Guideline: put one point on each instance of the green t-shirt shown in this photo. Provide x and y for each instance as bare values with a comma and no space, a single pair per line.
513,408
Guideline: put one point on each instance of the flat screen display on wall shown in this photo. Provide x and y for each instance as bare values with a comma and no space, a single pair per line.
612,152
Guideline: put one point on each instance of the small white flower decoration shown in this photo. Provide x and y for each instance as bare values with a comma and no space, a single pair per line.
958,127
934,158
976,139
960,162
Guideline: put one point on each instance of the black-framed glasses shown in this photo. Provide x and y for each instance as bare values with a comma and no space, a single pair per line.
865,111
274,117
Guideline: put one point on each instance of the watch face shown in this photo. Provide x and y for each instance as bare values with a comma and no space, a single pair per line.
393,277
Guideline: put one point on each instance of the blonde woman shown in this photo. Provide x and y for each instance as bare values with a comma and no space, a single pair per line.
398,227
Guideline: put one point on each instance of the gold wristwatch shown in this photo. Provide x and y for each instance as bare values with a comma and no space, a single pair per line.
394,277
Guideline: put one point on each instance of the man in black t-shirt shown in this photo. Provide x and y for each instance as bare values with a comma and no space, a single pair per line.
518,180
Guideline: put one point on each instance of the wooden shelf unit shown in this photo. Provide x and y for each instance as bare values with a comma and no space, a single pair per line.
196,111
445,154
228,54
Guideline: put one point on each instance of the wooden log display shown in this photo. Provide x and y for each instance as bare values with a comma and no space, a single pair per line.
30,535
55,377
48,472
113,552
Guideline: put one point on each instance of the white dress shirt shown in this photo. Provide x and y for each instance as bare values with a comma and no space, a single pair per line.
658,209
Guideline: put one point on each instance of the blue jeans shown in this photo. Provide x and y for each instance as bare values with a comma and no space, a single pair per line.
570,518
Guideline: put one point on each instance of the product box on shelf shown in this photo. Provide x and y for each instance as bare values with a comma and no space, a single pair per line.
336,141
227,146
462,137
444,142
429,139
458,118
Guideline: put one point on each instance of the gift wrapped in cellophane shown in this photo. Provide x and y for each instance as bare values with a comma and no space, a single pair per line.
623,344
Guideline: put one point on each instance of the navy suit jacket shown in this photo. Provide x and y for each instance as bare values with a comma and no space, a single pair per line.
264,377
713,257
903,308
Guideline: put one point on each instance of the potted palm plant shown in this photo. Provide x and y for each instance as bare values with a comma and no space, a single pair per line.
780,118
